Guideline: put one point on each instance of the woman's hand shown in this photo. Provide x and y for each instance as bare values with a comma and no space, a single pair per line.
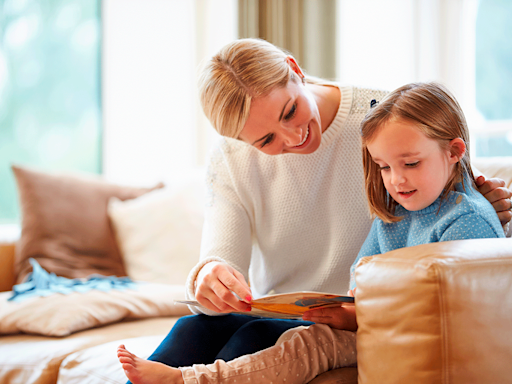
498,195
216,284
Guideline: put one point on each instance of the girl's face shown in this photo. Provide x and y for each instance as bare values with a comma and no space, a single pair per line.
285,121
414,168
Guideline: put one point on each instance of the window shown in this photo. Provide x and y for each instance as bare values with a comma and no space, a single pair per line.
493,77
466,45
49,90
154,130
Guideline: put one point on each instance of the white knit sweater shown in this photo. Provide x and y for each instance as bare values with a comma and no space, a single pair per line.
290,222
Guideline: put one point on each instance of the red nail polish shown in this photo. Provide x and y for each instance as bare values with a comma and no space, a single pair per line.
248,298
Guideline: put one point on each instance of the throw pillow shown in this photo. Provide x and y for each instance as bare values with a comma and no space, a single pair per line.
159,233
62,315
65,225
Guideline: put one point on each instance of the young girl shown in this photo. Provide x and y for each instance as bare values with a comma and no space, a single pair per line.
419,184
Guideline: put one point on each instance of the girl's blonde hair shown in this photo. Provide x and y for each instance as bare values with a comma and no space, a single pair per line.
436,113
240,71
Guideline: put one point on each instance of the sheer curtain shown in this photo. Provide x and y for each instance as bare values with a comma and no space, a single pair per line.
153,127
305,28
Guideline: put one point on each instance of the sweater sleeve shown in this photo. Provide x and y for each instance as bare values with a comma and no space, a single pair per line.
470,226
370,247
226,231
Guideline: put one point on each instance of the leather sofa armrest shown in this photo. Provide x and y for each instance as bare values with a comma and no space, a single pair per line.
7,277
436,313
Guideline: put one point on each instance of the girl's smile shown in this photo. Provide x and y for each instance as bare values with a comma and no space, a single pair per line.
406,195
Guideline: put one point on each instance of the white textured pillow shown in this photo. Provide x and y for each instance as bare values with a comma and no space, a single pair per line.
61,315
159,234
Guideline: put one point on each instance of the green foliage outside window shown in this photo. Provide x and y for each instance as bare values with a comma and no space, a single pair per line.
494,74
49,90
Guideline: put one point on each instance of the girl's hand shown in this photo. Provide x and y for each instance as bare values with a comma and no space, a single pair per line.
336,317
498,195
216,285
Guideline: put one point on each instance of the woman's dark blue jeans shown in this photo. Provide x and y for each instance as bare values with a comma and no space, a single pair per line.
201,339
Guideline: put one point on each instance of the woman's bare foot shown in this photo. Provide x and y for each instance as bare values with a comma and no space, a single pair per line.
140,371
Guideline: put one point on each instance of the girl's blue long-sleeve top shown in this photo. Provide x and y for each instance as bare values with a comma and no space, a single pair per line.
465,214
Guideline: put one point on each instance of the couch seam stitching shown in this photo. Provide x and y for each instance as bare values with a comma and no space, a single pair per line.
444,327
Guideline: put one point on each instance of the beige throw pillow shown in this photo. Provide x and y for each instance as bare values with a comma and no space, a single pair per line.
62,315
65,225
160,233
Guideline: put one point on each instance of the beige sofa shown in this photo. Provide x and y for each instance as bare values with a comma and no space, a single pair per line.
397,341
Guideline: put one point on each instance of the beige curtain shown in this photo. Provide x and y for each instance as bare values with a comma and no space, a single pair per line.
305,28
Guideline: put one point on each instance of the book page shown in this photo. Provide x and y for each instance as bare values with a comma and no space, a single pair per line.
290,305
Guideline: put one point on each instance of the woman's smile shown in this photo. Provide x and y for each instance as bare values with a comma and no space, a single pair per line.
304,139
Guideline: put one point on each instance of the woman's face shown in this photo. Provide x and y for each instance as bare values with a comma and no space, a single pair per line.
285,121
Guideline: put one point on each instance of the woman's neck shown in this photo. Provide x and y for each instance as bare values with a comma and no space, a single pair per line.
328,99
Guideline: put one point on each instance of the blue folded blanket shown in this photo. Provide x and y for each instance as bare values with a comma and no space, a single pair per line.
42,283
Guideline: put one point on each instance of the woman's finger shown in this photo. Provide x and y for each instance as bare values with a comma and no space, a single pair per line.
227,286
505,217
220,282
243,290
490,185
499,195
206,299
501,203
226,300
211,291
219,299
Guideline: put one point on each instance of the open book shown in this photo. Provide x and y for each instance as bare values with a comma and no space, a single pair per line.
290,305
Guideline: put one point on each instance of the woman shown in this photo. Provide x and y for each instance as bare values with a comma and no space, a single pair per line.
283,222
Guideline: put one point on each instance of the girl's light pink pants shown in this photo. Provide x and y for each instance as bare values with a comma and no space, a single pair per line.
298,356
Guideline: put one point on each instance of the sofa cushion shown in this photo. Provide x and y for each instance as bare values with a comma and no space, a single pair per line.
30,359
159,233
6,266
436,313
99,364
65,226
61,315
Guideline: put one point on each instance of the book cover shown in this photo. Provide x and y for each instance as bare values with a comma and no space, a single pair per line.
290,305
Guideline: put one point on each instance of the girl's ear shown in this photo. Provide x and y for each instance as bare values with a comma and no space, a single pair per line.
294,66
457,148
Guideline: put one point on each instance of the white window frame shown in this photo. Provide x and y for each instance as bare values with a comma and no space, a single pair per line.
476,122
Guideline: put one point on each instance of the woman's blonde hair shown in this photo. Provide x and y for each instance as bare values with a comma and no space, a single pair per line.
436,113
240,71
